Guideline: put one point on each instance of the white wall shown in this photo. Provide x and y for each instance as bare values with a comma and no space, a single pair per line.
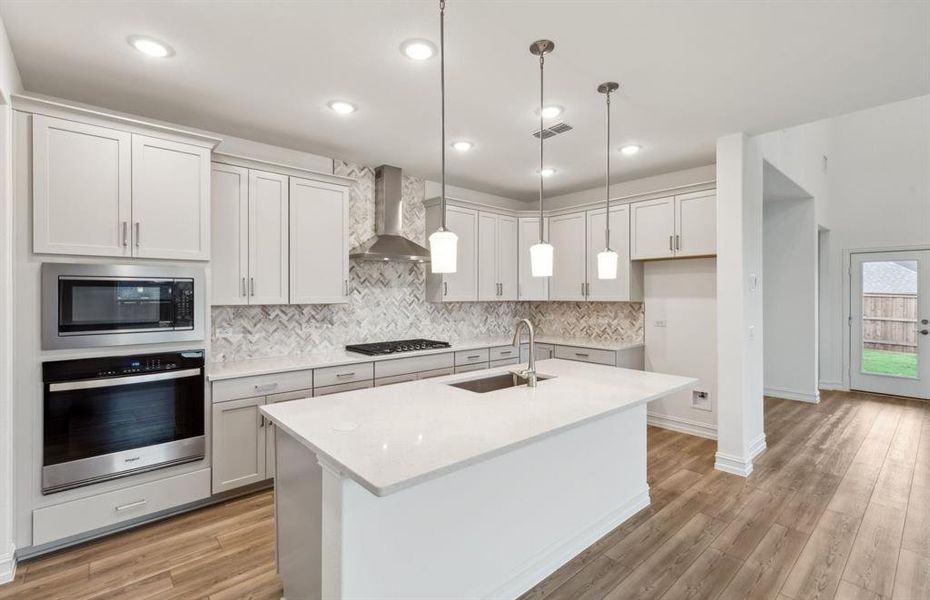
9,83
790,299
680,299
637,187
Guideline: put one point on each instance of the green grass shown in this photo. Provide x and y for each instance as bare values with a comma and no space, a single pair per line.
889,363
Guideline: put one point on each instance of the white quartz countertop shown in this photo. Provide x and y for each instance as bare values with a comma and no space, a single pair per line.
393,437
338,357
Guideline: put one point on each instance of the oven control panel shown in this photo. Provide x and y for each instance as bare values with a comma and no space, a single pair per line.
121,366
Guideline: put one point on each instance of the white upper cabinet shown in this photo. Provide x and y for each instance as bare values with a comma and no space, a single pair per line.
497,257
82,195
230,236
628,284
99,191
268,238
461,286
684,225
652,229
319,252
530,288
567,236
696,220
170,199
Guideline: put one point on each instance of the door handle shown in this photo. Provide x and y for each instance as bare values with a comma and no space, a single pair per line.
138,236
125,233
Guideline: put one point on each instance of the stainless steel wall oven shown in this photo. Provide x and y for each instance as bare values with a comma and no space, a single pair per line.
89,305
114,416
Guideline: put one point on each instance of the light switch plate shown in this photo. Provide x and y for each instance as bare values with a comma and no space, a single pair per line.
660,323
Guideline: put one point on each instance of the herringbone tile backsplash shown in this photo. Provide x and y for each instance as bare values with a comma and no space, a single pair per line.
387,301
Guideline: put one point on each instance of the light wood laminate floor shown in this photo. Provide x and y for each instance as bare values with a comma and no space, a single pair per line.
838,507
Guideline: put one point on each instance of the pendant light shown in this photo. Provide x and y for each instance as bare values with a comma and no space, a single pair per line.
541,252
443,244
607,258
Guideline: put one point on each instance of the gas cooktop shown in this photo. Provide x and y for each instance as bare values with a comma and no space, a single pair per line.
397,346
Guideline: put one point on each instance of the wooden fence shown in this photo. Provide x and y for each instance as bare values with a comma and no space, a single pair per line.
889,321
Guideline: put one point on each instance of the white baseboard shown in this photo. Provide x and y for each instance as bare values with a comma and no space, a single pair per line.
545,563
733,464
8,565
683,425
757,446
833,385
800,396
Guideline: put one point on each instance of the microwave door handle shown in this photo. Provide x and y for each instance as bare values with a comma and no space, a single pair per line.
87,384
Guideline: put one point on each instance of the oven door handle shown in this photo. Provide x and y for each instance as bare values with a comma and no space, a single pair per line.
114,381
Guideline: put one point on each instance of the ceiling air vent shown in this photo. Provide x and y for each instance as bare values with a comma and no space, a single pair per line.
552,130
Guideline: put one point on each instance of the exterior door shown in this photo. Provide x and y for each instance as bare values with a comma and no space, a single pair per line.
890,324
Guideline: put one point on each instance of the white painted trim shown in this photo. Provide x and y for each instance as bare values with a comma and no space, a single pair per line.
548,560
248,162
757,446
733,464
681,425
793,395
8,565
833,385
61,109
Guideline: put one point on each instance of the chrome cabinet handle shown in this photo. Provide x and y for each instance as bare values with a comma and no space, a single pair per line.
582,288
677,242
582,355
671,243
251,286
506,352
242,287
125,233
341,375
445,288
473,357
266,387
587,289
132,505
138,236
261,420
345,287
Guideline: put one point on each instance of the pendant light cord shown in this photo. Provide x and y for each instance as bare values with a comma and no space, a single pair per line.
442,95
542,60
607,180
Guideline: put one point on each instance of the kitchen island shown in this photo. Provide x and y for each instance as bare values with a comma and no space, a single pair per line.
426,490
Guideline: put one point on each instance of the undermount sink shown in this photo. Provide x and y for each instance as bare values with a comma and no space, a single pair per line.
495,382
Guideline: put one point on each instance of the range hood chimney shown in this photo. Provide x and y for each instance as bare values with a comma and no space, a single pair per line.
389,242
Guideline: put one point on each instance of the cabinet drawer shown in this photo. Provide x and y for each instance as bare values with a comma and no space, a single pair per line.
345,387
395,379
436,373
502,352
344,374
80,516
262,385
469,357
468,368
287,396
591,355
504,362
413,364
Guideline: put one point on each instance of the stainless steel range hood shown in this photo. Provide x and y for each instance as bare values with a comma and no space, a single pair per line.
389,242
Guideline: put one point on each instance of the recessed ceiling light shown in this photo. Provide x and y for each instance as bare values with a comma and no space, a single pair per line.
463,145
418,49
630,149
546,172
550,112
342,107
150,46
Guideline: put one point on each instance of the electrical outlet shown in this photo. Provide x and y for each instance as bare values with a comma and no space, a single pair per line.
701,400
660,323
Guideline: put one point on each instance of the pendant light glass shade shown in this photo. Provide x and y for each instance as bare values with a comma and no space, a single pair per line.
541,259
607,264
443,251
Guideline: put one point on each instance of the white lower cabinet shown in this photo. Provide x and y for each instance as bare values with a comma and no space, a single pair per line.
64,520
238,443
567,236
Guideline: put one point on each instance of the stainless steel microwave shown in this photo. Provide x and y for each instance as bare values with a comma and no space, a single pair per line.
95,305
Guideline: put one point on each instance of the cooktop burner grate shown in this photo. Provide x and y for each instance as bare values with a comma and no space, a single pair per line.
396,346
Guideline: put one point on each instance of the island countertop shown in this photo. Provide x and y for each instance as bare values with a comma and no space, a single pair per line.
393,437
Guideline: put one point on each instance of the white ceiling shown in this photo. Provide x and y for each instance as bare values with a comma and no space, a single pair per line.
689,72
